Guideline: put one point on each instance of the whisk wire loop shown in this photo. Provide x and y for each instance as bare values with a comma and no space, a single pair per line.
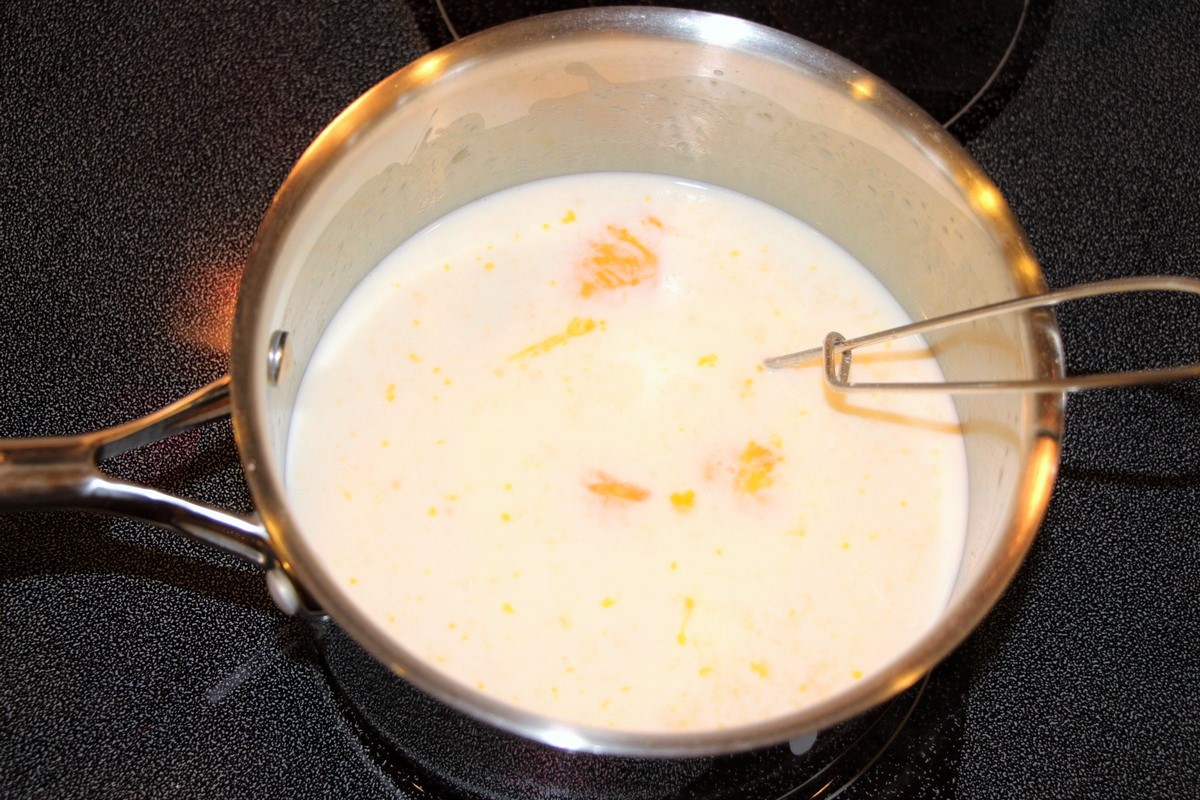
836,349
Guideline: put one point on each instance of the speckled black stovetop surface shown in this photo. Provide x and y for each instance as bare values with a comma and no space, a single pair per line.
139,148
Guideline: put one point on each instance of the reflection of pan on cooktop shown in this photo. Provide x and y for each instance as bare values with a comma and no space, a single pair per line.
941,53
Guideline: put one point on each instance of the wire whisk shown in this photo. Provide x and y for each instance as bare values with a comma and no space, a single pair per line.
836,350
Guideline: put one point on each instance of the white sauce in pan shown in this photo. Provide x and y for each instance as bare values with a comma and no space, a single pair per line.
536,445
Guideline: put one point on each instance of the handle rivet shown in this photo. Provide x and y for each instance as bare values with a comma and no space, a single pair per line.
279,357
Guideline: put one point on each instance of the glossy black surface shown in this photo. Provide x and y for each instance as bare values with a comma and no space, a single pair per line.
140,148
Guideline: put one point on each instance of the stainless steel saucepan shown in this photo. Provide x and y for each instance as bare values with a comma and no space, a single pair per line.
679,93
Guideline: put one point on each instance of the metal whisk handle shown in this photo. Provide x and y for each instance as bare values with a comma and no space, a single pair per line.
836,349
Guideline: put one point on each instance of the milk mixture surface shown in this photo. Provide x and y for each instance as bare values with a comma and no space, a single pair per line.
537,445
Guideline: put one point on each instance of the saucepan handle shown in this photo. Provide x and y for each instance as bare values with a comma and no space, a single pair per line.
62,472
